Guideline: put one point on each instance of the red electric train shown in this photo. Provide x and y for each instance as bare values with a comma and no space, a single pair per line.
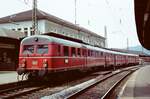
43,54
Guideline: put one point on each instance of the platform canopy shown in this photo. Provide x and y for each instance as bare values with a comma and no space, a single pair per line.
142,17
11,34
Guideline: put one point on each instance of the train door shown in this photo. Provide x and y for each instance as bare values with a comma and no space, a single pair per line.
85,57
115,60
106,60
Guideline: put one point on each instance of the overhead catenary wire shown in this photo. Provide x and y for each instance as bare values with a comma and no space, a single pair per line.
117,22
26,2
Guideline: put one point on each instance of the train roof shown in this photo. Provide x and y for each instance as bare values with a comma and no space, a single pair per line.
46,39
108,51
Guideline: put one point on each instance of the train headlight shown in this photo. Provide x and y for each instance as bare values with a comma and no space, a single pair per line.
23,60
23,65
45,63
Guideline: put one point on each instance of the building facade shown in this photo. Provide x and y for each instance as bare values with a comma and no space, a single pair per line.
48,23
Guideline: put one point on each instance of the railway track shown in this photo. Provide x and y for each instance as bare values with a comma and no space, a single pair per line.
78,90
12,90
109,92
25,89
22,88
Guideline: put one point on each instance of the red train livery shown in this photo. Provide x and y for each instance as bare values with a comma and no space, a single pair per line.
41,54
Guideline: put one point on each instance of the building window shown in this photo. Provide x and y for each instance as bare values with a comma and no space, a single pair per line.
26,31
19,29
13,29
31,31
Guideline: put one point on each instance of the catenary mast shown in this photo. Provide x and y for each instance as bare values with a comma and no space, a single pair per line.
34,18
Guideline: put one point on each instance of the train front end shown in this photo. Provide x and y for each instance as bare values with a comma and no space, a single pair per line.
34,56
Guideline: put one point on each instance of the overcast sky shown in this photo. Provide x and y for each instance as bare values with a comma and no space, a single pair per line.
116,15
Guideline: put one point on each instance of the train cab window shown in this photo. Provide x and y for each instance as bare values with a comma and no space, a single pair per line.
66,51
73,51
42,49
28,49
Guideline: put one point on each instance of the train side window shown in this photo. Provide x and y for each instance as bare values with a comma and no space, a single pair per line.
59,50
88,52
91,53
100,54
97,54
66,51
94,53
73,51
83,52
79,52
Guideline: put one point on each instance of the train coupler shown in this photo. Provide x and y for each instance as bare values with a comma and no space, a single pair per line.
21,71
42,72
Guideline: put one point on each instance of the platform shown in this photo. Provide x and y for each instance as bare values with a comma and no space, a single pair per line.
138,86
8,77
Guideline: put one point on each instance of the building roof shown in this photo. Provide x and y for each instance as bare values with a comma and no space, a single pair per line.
27,16
11,34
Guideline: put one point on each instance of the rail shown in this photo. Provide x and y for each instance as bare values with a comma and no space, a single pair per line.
78,89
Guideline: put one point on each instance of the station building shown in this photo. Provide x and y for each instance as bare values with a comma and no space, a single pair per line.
9,49
48,23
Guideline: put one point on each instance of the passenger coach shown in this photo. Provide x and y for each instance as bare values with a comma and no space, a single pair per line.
41,54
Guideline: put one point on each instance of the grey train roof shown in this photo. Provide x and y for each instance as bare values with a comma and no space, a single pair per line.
47,39
44,39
